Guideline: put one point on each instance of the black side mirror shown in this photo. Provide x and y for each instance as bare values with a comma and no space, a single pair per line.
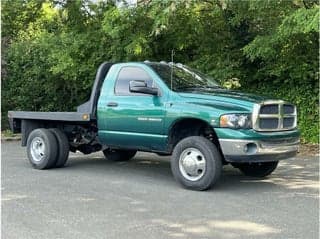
138,86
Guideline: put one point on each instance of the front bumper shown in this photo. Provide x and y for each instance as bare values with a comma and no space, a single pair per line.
259,150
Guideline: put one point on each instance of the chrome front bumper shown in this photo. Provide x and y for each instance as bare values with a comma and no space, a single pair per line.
236,150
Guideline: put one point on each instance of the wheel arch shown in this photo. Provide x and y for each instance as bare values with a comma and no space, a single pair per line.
188,126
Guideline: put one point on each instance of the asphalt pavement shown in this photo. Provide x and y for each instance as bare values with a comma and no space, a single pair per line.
95,198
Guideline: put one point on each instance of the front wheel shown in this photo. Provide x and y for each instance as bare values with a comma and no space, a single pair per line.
259,170
196,163
119,155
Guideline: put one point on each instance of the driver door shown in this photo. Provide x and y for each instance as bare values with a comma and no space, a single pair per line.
134,120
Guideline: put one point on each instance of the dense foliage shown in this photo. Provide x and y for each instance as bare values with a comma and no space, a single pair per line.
52,48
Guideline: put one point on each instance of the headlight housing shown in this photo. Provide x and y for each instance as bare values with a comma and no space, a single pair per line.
236,121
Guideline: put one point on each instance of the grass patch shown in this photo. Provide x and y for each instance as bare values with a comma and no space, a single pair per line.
7,133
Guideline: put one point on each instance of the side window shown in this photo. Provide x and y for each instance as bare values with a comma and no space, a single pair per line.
128,74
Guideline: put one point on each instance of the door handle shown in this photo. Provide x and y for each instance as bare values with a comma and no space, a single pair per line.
112,104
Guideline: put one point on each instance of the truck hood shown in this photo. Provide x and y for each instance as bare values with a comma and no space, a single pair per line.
223,99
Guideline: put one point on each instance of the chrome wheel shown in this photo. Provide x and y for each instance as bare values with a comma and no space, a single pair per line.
37,149
192,164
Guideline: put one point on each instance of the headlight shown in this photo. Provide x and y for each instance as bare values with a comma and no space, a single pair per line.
236,121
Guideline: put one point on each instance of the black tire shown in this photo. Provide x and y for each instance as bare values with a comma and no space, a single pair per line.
46,143
63,147
211,169
119,155
258,170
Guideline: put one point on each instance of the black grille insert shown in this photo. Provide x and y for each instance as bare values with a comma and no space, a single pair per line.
269,109
288,109
288,122
268,123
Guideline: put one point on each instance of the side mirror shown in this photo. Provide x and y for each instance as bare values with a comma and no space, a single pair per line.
141,87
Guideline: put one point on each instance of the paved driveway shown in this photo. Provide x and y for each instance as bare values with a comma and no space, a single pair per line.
94,198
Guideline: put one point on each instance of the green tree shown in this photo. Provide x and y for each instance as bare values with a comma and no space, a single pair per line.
53,47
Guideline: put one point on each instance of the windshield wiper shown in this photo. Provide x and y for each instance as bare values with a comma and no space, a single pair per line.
205,88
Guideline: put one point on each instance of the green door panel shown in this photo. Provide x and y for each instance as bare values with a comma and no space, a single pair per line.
134,116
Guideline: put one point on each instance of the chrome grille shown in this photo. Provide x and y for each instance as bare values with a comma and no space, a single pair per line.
274,116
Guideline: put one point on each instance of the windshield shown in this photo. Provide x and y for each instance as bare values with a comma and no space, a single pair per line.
183,77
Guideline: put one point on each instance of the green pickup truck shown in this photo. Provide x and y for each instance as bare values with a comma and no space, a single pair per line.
168,109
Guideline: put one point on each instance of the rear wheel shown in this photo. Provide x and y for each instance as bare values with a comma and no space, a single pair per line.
260,170
63,147
196,163
119,155
42,149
